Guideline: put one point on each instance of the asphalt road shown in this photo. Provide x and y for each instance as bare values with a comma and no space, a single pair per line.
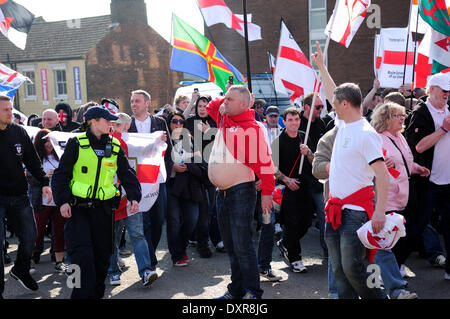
208,278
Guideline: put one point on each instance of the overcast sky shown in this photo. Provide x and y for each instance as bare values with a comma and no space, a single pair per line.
159,12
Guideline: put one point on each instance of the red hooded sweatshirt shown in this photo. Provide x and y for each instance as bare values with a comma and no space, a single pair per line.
245,141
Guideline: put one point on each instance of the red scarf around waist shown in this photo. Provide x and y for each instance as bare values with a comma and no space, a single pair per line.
363,198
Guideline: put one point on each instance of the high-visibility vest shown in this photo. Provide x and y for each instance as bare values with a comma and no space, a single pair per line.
93,176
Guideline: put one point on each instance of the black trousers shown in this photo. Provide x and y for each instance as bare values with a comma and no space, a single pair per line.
88,235
297,218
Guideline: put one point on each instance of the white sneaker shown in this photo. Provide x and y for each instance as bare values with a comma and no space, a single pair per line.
297,266
149,277
32,267
439,261
114,280
120,262
447,276
405,294
403,271
220,247
278,229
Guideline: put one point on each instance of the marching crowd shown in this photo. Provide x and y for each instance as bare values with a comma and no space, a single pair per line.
336,180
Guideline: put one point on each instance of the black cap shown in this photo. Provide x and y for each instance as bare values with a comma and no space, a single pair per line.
96,112
272,110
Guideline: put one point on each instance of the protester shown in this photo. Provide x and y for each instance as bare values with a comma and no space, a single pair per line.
44,211
31,118
233,173
50,120
388,122
84,185
296,205
357,159
65,117
395,97
134,225
427,136
371,100
259,109
144,122
271,124
16,147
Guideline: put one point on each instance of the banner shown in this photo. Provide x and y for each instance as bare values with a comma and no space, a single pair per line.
77,84
44,80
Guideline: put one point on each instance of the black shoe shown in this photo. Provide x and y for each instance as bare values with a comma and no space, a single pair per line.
204,252
25,280
36,257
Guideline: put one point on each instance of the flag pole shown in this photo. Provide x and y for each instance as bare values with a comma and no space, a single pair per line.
273,80
316,86
414,62
247,54
407,42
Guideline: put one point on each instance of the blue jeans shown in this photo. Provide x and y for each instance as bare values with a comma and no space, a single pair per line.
332,285
134,226
347,255
182,218
18,211
432,243
319,202
390,273
153,223
236,208
266,241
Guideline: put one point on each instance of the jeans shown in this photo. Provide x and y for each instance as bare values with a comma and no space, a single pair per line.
266,241
332,285
182,217
207,221
135,228
347,255
441,203
431,243
235,212
18,211
390,273
153,223
319,203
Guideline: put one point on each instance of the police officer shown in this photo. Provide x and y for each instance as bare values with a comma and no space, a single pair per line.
84,184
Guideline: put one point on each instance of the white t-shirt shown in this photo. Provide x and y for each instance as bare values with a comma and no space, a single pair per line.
47,164
143,126
357,145
440,171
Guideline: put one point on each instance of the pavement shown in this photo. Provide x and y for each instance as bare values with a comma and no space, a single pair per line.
206,278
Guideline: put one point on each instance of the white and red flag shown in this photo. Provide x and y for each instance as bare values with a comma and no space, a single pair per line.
145,154
272,62
346,19
294,74
420,25
216,11
15,22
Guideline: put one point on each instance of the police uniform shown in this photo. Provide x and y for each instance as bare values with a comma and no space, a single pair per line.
85,180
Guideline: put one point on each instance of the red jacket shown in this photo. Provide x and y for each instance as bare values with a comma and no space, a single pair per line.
245,141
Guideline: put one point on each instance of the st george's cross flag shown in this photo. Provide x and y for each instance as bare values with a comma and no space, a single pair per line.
145,152
15,22
10,80
216,11
346,20
294,74
193,53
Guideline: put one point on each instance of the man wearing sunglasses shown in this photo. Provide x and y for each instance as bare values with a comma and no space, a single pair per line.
316,131
428,137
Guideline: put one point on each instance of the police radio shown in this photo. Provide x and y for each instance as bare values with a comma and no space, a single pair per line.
108,147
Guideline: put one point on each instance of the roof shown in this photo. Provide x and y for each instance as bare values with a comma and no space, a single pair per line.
57,40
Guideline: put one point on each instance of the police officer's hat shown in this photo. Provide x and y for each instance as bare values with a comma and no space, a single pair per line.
96,112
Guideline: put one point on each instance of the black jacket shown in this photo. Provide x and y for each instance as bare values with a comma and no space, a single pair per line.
16,148
70,125
63,174
157,124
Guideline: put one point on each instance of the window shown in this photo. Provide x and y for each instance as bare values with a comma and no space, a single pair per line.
317,24
61,83
30,88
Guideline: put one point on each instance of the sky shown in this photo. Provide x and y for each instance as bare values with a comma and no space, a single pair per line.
159,12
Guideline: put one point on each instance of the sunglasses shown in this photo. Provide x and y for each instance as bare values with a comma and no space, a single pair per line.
318,107
399,116
175,121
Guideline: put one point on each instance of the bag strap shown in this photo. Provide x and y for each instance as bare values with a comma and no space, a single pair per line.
300,153
404,160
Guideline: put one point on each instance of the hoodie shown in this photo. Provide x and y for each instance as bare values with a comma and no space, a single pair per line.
70,126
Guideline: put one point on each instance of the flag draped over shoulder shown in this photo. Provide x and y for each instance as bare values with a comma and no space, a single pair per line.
193,53
437,14
216,11
10,80
145,154
15,22
346,19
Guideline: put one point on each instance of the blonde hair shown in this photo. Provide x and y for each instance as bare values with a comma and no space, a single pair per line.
383,114
180,98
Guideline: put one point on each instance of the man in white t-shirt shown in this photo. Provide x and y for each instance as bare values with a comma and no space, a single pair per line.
356,160
428,137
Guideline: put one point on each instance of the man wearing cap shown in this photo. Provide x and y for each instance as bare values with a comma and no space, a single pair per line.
428,137
271,124
84,184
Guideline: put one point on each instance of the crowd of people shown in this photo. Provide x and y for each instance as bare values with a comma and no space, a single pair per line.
335,178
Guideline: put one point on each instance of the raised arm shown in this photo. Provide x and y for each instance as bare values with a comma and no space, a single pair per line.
328,83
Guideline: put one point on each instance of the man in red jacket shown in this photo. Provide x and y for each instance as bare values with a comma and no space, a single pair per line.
239,151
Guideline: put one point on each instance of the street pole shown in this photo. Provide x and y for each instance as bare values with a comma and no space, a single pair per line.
247,54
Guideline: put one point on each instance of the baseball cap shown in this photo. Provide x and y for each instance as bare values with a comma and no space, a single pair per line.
96,112
440,79
272,110
123,118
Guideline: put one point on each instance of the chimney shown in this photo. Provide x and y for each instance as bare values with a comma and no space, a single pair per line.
129,12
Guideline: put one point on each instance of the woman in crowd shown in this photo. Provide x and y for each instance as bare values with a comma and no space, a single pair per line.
43,211
185,190
388,122
203,128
